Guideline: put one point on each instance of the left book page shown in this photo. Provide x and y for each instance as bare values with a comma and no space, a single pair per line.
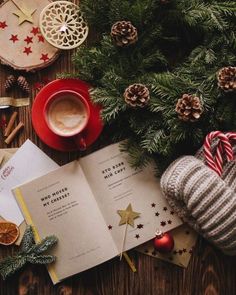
63,204
27,163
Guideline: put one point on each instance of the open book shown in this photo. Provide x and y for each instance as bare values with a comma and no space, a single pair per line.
78,203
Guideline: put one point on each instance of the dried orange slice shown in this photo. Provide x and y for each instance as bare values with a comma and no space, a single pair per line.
9,232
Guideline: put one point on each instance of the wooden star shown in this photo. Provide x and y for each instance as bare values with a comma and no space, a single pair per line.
128,216
24,14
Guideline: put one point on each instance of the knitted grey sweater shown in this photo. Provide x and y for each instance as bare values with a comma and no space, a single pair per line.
203,199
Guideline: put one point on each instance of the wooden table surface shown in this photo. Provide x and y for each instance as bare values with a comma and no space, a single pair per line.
209,271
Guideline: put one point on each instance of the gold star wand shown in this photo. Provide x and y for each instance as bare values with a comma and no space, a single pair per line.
127,217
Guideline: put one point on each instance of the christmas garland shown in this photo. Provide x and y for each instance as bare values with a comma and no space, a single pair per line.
163,70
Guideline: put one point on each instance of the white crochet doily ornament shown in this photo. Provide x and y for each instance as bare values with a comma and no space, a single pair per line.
62,25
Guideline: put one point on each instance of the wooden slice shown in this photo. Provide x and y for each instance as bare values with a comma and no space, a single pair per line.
22,45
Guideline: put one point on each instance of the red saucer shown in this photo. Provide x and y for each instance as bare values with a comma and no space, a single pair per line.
90,134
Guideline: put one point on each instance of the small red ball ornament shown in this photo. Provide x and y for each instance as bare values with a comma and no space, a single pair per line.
163,242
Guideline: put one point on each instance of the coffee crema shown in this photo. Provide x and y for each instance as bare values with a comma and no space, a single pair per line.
67,115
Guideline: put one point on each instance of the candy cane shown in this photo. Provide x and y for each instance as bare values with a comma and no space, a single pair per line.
224,145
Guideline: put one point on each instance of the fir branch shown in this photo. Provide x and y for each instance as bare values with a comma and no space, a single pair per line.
29,253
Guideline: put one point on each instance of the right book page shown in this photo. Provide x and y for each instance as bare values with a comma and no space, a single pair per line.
115,185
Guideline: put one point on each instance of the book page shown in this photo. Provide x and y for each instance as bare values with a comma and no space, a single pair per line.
115,184
61,203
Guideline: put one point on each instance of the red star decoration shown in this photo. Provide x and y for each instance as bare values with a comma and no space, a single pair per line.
137,236
40,38
44,57
180,252
163,223
14,38
157,214
27,50
172,212
110,227
35,31
140,226
153,205
3,25
184,250
169,221
165,209
28,40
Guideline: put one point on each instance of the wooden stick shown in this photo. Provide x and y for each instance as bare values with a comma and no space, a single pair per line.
130,262
124,238
10,124
13,133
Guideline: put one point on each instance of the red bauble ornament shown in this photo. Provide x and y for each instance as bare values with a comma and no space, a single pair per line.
163,242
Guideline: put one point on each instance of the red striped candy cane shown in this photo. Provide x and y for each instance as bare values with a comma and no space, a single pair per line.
216,163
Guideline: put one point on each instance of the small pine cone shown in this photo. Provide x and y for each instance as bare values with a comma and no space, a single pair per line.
137,95
10,81
189,108
124,33
23,84
227,79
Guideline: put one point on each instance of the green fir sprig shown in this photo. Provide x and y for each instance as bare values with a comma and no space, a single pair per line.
30,252
181,46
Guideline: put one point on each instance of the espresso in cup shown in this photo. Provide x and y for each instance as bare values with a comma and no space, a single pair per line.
67,115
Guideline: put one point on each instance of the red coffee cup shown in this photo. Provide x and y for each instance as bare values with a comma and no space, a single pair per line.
67,113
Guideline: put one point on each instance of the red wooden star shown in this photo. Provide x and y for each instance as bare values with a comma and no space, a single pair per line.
44,57
137,236
14,38
110,227
28,40
40,38
27,50
157,214
184,250
3,25
172,212
35,31
169,221
165,209
153,205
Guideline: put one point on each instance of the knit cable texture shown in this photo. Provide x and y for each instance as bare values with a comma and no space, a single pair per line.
204,200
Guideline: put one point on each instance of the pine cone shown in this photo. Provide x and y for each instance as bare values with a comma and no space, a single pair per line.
10,81
189,108
23,84
124,33
137,95
227,79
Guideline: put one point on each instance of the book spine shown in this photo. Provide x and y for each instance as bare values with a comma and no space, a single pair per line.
29,221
